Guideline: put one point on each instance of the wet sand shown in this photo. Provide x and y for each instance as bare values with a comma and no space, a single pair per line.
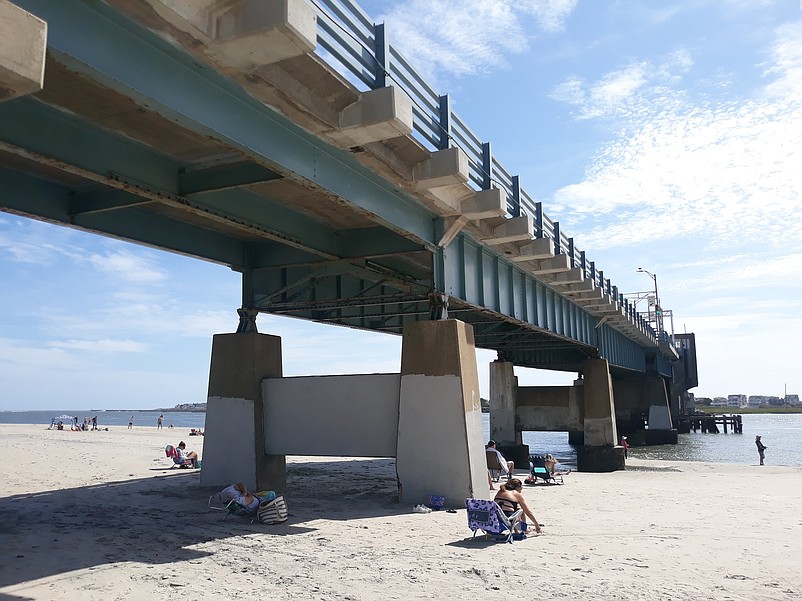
102,515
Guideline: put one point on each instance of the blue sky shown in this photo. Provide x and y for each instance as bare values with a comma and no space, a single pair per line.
661,135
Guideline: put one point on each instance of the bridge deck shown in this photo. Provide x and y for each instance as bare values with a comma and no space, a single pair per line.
146,131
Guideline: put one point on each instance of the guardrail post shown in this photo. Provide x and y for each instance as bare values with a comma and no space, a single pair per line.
516,196
487,166
557,242
571,252
539,219
445,122
381,51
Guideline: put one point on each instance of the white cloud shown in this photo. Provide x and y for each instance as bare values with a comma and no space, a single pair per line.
786,62
128,266
470,36
102,346
726,173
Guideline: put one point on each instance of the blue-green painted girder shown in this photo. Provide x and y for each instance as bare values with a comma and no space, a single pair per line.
93,39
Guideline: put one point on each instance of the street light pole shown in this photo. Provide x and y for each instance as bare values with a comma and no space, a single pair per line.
658,314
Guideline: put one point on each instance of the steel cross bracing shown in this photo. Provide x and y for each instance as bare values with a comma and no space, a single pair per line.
134,137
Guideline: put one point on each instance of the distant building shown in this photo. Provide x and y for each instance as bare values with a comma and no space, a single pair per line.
737,400
793,400
719,401
761,399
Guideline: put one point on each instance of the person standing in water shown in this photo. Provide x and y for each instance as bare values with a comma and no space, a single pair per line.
760,448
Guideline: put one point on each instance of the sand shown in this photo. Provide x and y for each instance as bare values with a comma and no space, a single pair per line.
102,515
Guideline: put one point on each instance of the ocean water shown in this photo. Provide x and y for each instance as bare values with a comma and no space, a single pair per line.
146,419
782,434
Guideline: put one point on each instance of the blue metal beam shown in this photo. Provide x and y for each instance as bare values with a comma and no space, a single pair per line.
93,39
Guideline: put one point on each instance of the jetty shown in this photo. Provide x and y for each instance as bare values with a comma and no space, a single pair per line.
708,423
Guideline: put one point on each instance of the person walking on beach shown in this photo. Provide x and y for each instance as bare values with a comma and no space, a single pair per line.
159,422
131,422
760,448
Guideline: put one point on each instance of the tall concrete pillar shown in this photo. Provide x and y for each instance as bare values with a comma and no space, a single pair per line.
599,453
233,446
440,447
503,406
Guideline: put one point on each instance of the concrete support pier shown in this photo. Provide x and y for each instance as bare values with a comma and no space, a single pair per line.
234,437
600,453
503,406
440,444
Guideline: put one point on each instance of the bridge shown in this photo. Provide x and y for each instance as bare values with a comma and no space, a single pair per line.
292,142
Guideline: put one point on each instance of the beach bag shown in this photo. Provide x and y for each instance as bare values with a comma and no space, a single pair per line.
273,512
436,501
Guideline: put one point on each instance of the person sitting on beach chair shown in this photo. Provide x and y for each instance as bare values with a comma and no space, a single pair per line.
497,463
181,457
510,499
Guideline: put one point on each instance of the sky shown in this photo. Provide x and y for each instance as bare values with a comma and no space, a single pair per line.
666,136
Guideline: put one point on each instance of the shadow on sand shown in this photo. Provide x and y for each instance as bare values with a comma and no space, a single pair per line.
164,518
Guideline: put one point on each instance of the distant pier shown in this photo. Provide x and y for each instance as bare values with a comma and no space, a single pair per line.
709,423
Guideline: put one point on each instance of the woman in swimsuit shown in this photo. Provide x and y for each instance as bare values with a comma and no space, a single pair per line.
509,498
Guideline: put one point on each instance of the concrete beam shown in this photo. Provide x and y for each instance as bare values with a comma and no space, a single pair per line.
377,115
453,226
444,168
542,248
23,41
251,33
556,264
566,278
579,288
515,229
484,205
245,34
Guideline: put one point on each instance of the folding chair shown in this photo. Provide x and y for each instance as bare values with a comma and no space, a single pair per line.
494,465
171,452
539,470
487,516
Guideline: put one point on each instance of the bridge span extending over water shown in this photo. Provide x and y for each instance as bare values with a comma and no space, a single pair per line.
291,141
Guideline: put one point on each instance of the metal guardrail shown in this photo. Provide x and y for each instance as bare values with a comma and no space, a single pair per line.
359,49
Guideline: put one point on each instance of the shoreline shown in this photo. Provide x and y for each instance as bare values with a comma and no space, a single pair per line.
106,517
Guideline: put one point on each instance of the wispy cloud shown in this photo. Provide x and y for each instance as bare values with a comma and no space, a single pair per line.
468,37
726,173
102,346
128,266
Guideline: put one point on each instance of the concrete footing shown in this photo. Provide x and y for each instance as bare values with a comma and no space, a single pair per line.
518,454
652,437
600,459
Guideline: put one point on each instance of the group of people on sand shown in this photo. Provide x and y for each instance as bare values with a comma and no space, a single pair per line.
509,496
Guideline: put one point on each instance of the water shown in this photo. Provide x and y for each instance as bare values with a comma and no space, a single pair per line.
179,419
781,433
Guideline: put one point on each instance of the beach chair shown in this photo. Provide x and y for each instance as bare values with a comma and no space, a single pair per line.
172,453
494,465
218,502
539,470
487,516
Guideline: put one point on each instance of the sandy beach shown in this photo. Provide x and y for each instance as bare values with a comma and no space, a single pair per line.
102,515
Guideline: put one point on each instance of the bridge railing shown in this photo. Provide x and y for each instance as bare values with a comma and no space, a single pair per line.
360,50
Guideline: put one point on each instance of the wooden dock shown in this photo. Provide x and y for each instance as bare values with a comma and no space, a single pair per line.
709,423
